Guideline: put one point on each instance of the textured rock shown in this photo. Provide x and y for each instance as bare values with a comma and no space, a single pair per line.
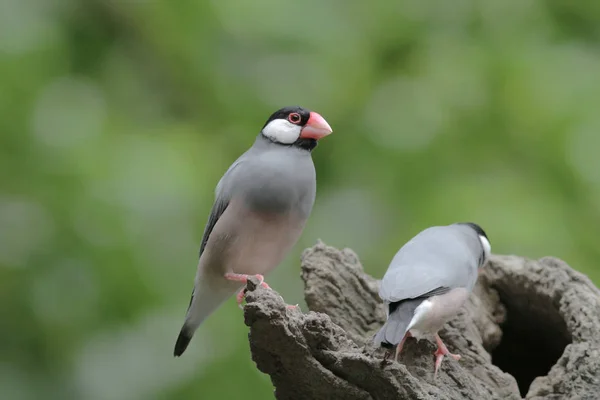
529,329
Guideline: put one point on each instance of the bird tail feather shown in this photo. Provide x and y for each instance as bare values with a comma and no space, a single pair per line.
205,300
392,332
183,340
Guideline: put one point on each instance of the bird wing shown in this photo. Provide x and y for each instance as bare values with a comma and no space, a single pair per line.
222,199
220,205
435,261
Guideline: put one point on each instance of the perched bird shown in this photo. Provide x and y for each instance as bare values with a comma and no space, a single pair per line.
261,205
428,281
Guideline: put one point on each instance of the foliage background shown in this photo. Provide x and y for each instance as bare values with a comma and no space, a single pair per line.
119,117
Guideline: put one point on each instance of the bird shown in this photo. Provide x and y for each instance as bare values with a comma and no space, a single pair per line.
428,281
262,203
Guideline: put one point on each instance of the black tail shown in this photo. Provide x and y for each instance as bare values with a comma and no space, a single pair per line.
183,340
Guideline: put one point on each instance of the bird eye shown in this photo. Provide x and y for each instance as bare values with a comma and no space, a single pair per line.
294,118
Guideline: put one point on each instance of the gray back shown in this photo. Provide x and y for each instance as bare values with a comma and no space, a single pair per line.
438,257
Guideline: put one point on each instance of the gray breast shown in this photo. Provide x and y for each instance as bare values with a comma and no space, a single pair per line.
279,182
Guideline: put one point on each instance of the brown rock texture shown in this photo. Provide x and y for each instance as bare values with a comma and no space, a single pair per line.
531,329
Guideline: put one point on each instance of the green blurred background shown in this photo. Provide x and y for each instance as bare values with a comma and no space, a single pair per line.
119,117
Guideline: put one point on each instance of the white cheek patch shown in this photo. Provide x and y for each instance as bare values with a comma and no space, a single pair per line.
282,131
487,247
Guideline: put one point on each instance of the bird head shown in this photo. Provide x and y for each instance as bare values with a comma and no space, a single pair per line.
296,126
483,238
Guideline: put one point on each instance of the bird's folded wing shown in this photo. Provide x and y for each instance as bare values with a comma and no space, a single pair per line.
222,199
435,259
403,287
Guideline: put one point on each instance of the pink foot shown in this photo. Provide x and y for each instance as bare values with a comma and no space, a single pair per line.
239,298
441,351
401,344
244,278
292,306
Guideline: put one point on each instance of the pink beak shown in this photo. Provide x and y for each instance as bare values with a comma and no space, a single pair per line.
315,128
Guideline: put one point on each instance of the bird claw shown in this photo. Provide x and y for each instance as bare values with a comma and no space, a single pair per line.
289,306
244,278
442,351
239,298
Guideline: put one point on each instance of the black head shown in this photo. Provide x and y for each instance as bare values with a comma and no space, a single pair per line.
296,126
485,241
294,114
476,228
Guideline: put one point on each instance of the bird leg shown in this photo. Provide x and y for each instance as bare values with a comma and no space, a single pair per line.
401,344
244,278
441,351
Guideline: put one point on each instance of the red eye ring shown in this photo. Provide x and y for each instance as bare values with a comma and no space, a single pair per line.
294,118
